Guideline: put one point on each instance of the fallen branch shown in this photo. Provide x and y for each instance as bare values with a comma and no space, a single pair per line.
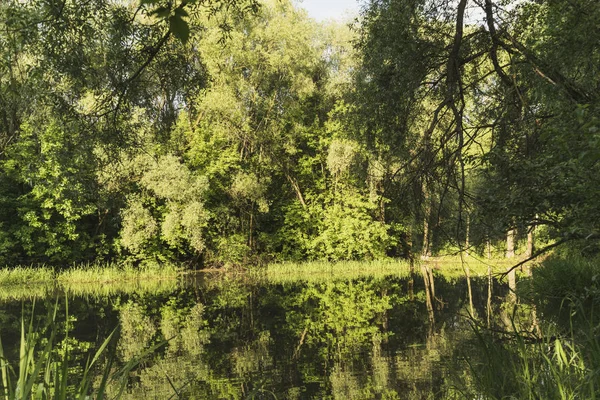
535,255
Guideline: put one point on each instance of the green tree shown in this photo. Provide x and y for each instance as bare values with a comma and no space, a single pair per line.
498,98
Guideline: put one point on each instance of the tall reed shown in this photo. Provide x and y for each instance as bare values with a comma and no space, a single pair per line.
560,359
44,371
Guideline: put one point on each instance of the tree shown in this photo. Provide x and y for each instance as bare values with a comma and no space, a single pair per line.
502,85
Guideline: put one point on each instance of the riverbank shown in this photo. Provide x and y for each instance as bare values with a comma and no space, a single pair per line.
450,267
99,273
320,270
85,273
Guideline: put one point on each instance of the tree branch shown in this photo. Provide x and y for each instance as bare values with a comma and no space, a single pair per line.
535,255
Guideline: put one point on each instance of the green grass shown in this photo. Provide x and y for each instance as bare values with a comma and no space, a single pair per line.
567,276
21,283
449,267
452,267
109,273
562,359
105,279
85,273
26,275
321,270
558,364
43,368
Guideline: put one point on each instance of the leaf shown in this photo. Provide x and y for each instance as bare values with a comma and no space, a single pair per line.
161,12
180,12
179,28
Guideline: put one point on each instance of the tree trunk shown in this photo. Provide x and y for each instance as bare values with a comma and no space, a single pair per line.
530,242
510,253
510,243
468,276
428,295
297,190
489,297
426,250
512,285
467,235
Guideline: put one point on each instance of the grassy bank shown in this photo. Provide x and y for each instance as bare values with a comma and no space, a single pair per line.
450,267
110,273
107,278
86,273
322,270
454,266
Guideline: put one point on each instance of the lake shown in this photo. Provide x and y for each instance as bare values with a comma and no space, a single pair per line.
242,337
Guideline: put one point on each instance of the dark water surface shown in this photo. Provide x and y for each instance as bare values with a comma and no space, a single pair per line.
238,338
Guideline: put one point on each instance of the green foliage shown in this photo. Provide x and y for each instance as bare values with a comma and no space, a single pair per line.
54,209
338,316
139,227
341,156
233,250
169,212
342,229
70,97
137,331
565,285
246,188
176,16
281,138
349,232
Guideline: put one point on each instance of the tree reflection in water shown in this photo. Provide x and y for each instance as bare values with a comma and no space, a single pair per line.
392,337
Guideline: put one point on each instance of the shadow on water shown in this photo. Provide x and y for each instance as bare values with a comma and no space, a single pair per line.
368,337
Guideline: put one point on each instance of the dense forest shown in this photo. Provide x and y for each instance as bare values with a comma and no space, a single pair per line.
235,132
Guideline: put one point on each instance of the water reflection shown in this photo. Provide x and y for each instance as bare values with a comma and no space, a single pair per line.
230,338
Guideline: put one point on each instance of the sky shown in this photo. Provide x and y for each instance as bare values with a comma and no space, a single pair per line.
327,9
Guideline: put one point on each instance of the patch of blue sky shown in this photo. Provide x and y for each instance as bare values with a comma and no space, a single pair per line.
322,10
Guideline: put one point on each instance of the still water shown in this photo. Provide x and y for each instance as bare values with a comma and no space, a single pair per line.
226,337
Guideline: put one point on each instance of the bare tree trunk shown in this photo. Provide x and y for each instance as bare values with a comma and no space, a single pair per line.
510,243
466,267
428,295
530,248
467,235
510,253
530,242
468,276
297,190
488,248
426,250
431,284
512,284
489,297
507,313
